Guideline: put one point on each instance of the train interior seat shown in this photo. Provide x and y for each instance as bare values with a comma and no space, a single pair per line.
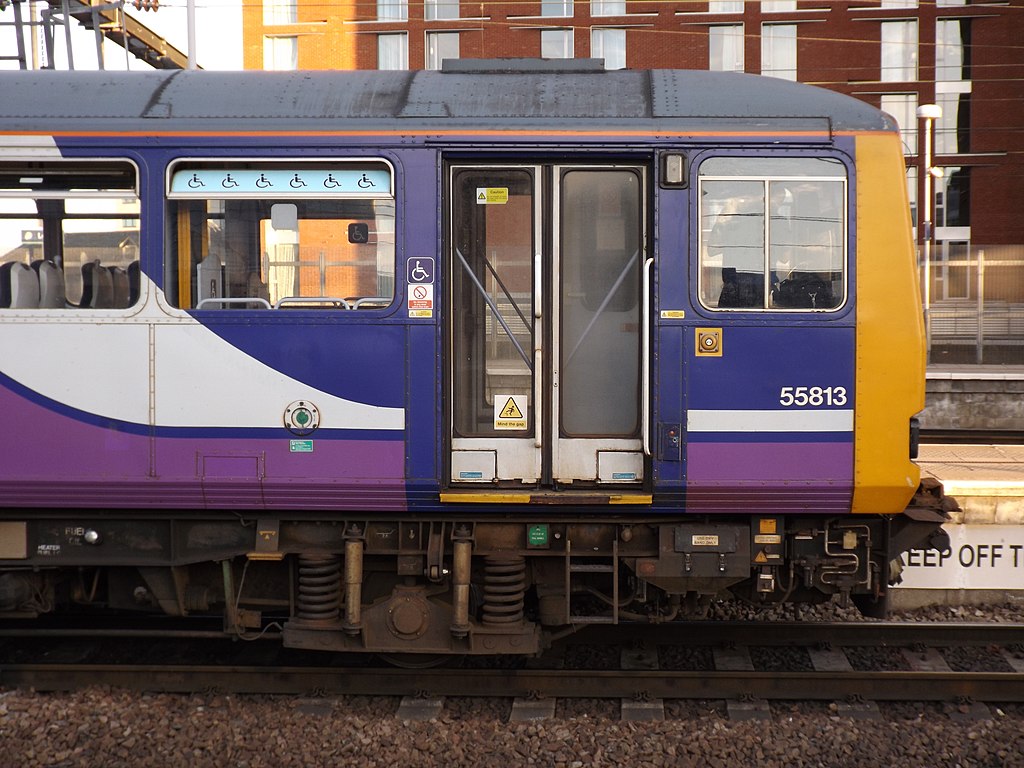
88,283
51,285
209,279
24,287
103,288
134,283
256,288
5,284
120,288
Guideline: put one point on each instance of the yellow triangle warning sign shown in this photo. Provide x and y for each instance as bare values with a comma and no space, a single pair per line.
761,557
511,410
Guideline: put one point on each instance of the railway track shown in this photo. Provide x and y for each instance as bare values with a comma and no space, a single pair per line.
747,665
972,436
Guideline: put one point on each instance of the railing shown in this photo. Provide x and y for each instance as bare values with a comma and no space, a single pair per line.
976,311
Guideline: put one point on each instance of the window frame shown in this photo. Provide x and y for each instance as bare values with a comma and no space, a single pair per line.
396,10
403,39
433,56
717,45
566,38
442,10
557,9
280,13
774,45
605,36
50,164
901,49
848,220
172,266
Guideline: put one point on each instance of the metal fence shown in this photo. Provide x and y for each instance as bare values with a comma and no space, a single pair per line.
974,313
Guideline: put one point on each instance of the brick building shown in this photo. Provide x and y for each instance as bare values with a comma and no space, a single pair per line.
967,57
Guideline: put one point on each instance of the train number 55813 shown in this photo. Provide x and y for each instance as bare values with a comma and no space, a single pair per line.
815,397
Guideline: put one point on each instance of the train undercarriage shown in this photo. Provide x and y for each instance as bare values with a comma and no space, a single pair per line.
453,586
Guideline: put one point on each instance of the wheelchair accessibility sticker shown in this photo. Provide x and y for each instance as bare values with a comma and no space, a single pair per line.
420,269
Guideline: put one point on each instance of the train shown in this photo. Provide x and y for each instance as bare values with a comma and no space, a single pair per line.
452,362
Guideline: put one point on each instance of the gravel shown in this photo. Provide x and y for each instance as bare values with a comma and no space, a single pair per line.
97,727
112,728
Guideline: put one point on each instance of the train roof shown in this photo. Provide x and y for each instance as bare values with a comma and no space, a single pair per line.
471,95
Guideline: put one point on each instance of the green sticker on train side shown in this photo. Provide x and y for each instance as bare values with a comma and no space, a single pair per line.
538,535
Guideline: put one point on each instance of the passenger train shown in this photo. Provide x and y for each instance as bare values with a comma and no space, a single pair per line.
449,362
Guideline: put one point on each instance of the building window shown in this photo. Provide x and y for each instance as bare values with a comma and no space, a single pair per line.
610,45
556,44
607,7
952,198
953,129
778,50
281,52
556,8
949,3
772,233
952,49
280,12
899,51
903,107
912,196
252,235
434,10
725,6
393,51
725,48
899,3
392,10
777,6
441,46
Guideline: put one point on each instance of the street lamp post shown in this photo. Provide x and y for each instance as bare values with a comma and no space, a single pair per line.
190,22
929,113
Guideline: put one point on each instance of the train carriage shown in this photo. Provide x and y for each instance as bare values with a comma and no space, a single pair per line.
421,362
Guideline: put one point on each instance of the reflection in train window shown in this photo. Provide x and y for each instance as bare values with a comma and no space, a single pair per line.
259,235
69,235
772,233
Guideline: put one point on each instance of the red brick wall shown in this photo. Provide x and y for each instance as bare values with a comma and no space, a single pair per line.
837,47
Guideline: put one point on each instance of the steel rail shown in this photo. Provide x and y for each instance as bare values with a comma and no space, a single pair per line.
878,686
973,436
677,633
799,633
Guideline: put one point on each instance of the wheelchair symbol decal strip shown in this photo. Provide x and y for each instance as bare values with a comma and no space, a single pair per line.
281,182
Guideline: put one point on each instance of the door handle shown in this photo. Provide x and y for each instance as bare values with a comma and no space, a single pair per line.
645,360
538,277
538,310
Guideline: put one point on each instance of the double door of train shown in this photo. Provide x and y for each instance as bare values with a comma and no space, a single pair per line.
547,324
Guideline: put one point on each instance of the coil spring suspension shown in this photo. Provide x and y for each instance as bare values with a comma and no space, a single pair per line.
504,589
319,597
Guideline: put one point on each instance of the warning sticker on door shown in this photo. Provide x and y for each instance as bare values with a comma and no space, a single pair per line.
421,301
510,411
491,195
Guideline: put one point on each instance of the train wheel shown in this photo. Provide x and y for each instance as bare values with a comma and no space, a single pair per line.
420,660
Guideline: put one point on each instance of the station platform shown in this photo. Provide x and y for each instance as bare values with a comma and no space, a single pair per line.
985,562
986,480
974,397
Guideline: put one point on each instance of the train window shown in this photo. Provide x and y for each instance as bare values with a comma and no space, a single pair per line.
69,235
281,235
772,233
